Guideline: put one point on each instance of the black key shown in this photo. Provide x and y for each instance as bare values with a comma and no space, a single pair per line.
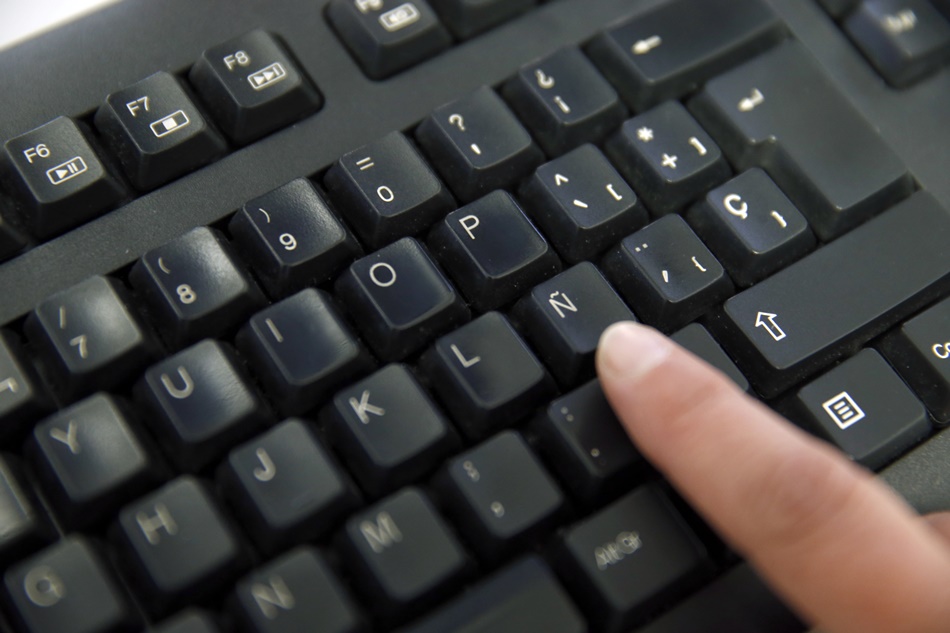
478,145
156,130
194,287
466,18
670,50
492,251
670,158
797,321
752,227
389,430
667,274
296,592
59,179
697,340
190,621
400,299
12,239
565,101
838,8
201,403
564,317
782,113
178,547
629,559
252,86
25,526
292,239
403,556
582,204
486,375
387,36
91,462
22,396
88,337
286,488
388,190
302,350
522,597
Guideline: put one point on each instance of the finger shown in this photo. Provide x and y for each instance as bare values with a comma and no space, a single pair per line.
841,547
940,523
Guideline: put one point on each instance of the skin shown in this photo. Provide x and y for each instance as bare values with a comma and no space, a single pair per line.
841,548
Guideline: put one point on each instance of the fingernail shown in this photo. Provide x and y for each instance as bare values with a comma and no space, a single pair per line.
629,351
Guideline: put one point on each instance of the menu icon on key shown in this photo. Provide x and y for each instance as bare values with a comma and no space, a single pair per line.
843,410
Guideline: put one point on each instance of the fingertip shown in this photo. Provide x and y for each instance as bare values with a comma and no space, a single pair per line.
628,351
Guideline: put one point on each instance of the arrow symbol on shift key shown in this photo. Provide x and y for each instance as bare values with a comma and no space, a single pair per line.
767,320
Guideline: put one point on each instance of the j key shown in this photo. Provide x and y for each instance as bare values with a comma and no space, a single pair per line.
630,558
752,227
492,251
59,178
478,145
292,239
286,488
194,287
178,546
25,526
863,408
669,157
403,556
302,350
156,130
88,337
389,430
388,190
565,101
296,592
387,36
12,239
91,462
466,18
797,321
22,397
400,299
201,403
190,621
582,204
782,113
697,340
252,86
667,274
564,317
486,375
670,50
68,588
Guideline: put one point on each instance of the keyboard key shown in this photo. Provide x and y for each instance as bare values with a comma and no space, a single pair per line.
22,396
25,526
400,299
782,113
12,239
190,621
697,340
492,251
157,131
565,101
388,190
478,145
838,8
466,18
252,86
59,179
387,36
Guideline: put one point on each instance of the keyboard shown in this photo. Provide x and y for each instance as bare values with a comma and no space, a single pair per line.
299,300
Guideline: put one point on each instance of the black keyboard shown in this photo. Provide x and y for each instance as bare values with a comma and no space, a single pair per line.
299,300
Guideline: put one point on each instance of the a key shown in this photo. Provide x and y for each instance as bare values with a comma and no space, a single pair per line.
582,204
478,145
387,36
12,239
389,430
667,274
177,546
466,18
201,402
400,299
486,375
292,239
564,317
670,50
388,190
286,488
302,350
752,227
25,526
565,101
252,86
697,339
60,180
782,113
22,396
190,621
794,323
157,131
492,251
